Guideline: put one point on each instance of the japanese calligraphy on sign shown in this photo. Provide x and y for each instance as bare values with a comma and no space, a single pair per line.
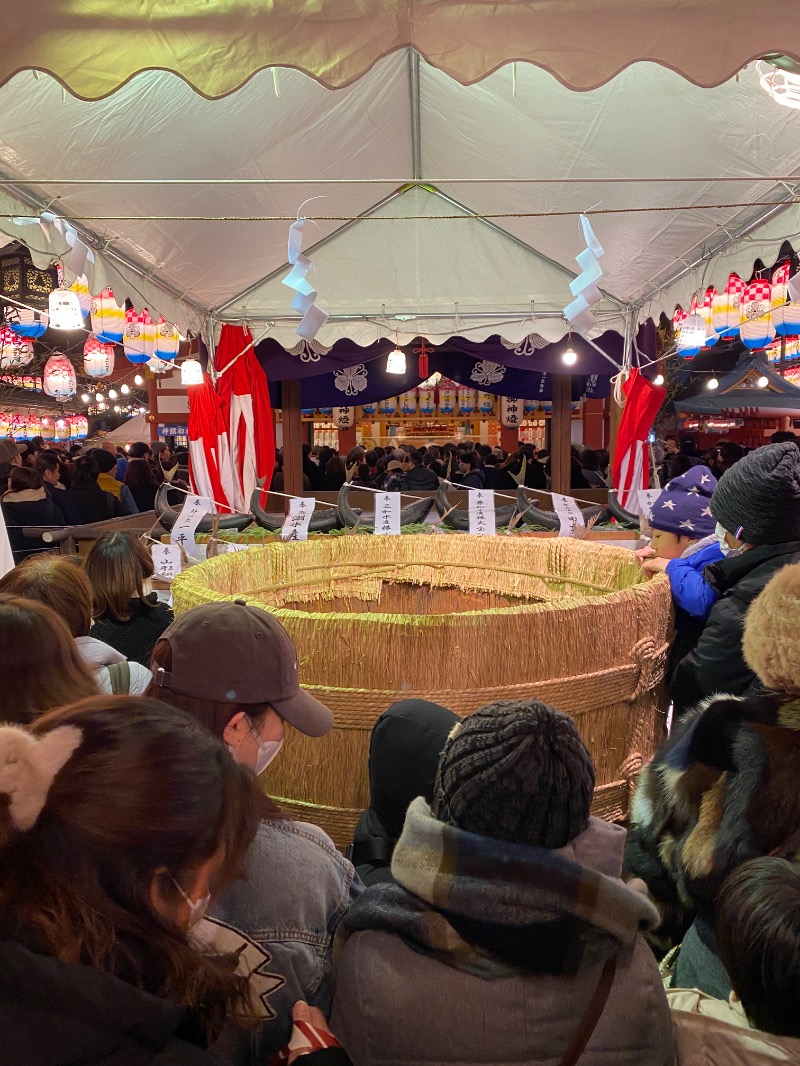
192,514
295,526
387,514
647,497
569,514
167,560
481,513
511,411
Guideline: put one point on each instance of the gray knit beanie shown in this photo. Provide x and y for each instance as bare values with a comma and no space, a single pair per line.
516,771
758,499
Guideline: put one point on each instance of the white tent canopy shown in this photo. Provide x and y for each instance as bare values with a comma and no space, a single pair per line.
404,121
133,429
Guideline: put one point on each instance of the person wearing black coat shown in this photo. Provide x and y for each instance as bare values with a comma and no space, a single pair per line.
757,509
26,503
49,467
404,751
419,478
92,503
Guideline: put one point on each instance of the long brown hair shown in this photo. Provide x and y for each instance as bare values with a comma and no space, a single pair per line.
59,584
117,567
40,667
140,476
147,790
210,714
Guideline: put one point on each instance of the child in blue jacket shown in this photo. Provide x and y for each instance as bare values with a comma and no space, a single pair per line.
684,541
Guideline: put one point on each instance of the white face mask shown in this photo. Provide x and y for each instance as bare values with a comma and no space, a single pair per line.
267,750
197,907
721,534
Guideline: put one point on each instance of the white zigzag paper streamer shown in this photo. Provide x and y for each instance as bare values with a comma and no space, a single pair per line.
313,317
584,287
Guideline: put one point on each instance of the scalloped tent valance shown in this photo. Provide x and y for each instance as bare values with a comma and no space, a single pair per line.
94,47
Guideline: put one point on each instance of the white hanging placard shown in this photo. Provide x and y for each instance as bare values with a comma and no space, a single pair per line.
344,417
569,514
233,547
511,411
192,513
295,527
387,514
167,561
481,512
647,498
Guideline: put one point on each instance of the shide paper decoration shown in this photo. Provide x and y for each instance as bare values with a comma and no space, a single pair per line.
80,253
313,317
584,288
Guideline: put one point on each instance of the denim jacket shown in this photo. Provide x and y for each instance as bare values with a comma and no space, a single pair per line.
296,890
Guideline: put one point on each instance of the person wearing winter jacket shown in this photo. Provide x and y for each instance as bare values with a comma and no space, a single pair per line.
109,482
48,465
26,503
404,751
419,478
470,471
233,667
63,587
756,506
120,821
93,504
723,789
507,935
758,932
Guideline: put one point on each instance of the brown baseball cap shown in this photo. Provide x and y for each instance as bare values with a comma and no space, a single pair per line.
234,653
394,465
9,450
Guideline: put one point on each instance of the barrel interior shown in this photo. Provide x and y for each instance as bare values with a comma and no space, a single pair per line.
403,598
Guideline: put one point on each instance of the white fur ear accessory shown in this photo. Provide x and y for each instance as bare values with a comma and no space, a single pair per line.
28,765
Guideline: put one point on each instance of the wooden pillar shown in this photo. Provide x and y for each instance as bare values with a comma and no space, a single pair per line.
347,440
561,433
593,423
509,438
152,403
292,439
614,419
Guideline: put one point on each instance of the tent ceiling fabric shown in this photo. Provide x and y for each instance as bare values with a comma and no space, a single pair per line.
647,122
216,46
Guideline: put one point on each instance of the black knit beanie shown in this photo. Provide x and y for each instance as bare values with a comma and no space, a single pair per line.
516,771
758,499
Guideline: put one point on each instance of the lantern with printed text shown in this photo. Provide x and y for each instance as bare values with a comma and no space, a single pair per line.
344,417
62,429
408,402
64,309
785,315
34,426
25,322
486,403
98,358
369,409
140,337
19,427
511,411
427,399
726,311
756,328
80,287
79,426
59,378
48,429
529,407
5,424
167,340
108,318
447,398
388,406
467,398
15,351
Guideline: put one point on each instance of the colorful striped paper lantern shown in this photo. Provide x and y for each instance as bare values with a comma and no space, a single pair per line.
756,328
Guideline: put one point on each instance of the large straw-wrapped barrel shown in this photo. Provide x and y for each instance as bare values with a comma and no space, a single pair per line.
461,620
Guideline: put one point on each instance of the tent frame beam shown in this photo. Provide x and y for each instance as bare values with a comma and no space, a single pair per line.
731,237
98,244
416,114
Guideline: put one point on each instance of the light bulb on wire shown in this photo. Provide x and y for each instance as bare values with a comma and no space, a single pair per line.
138,380
125,389
99,397
117,409
712,383
658,379
85,397
112,394
763,381
569,358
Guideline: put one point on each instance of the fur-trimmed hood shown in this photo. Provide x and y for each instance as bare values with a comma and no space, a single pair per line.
771,641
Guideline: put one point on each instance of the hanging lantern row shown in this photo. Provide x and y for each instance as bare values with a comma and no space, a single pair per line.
754,312
143,340
58,428
31,382
451,398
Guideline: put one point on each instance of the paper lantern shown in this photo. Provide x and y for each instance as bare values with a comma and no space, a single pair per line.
139,340
26,322
486,403
59,378
19,427
396,362
34,426
15,351
344,417
727,307
168,340
427,399
678,318
756,328
467,398
192,372
48,429
511,411
408,402
705,310
98,358
78,427
388,406
447,399
62,429
785,316
529,407
368,409
80,287
306,412
692,331
73,429
65,309
5,424
108,319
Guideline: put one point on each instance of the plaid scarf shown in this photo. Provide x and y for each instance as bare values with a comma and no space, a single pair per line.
493,908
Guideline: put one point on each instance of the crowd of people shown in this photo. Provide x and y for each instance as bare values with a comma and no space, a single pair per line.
405,468
158,906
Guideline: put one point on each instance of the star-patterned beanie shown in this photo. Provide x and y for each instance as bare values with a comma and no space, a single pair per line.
684,507
758,499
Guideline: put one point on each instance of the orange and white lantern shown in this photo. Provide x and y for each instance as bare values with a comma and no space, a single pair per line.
59,379
756,328
98,358
108,318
